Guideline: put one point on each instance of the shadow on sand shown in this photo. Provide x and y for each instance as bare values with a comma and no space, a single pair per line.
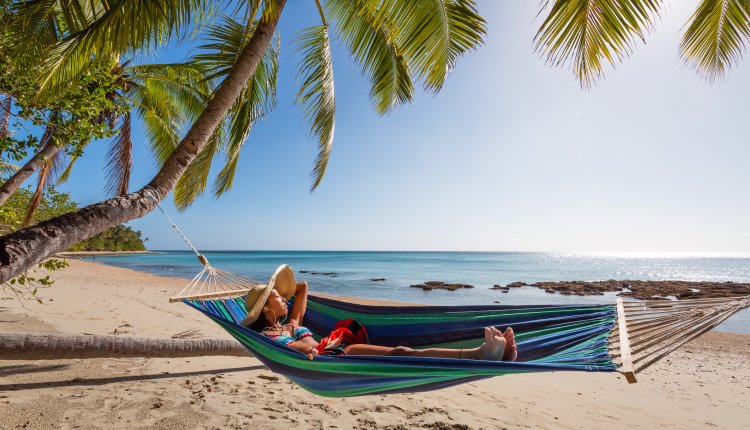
10,370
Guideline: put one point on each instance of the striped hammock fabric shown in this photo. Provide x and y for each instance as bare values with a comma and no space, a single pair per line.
549,338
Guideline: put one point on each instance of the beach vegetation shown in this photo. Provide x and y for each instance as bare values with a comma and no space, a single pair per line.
53,203
118,238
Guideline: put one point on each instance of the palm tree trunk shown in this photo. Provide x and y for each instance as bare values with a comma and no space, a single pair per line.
49,149
5,106
28,346
43,174
24,248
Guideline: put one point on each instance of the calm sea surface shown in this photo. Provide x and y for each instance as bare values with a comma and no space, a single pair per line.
353,271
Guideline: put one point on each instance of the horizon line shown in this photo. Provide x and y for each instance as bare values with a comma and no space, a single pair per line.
643,254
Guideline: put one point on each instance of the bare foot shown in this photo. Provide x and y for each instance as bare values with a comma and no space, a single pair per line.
493,347
511,351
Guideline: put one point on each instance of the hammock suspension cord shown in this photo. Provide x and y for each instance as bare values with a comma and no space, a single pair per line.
209,283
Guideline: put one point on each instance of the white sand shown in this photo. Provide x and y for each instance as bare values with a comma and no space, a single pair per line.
705,385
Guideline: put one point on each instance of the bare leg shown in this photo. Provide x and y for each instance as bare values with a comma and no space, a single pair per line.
364,349
492,349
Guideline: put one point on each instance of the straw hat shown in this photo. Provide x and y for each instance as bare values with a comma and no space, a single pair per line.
282,281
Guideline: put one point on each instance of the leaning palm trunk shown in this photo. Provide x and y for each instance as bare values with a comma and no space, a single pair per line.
5,106
49,150
27,346
22,249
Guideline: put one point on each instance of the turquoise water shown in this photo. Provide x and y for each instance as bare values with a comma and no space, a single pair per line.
353,271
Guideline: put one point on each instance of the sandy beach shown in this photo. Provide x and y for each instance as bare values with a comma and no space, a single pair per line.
704,385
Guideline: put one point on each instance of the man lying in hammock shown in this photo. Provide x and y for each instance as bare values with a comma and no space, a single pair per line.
268,313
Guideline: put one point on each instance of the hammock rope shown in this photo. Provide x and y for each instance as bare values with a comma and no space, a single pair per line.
210,282
657,328
628,336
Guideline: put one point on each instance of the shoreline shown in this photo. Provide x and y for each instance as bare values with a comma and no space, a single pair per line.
81,254
703,385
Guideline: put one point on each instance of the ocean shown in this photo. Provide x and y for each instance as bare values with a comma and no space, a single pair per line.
352,272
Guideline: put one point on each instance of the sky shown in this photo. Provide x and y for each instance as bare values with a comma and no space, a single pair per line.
511,155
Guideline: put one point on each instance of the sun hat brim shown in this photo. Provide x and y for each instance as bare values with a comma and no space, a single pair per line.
254,302
283,281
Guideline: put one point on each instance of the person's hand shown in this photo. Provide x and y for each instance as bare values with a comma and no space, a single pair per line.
301,286
312,353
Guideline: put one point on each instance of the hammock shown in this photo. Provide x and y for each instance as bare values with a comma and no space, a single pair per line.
625,337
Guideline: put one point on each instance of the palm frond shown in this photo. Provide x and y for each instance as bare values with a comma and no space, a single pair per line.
225,41
34,28
46,175
718,34
42,175
316,94
372,43
589,33
161,116
65,175
256,101
184,83
118,25
7,169
215,58
270,9
192,183
432,33
119,159
56,164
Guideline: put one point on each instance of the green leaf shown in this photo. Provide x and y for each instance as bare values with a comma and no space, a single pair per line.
372,43
432,34
716,37
192,183
215,58
589,33
316,94
119,159
104,29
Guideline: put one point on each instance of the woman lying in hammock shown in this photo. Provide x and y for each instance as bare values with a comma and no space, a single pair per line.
267,310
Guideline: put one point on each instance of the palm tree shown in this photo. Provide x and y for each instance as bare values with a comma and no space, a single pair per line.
395,41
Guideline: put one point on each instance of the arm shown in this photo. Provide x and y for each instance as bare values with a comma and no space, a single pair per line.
305,345
300,304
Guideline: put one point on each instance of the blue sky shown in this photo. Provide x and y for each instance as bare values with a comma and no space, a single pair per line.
510,156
